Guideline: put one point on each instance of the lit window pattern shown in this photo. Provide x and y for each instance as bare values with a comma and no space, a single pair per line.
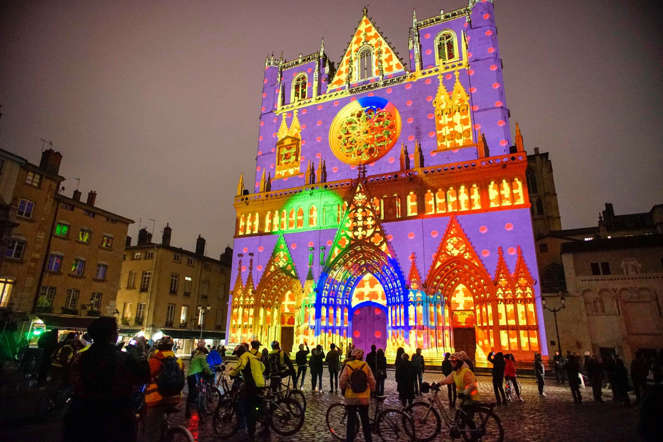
453,121
446,46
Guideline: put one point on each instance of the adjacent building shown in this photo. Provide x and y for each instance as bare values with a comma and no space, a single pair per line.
174,291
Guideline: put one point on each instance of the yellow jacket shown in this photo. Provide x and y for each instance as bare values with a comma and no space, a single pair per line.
257,368
352,398
466,382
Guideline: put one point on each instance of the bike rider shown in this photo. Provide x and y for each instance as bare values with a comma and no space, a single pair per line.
251,370
464,379
279,367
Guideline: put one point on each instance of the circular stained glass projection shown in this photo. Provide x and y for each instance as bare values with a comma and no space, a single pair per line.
364,130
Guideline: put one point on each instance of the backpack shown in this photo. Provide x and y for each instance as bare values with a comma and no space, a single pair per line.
63,356
358,379
273,364
170,380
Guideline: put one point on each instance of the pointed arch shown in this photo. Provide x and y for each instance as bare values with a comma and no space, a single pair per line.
299,88
446,46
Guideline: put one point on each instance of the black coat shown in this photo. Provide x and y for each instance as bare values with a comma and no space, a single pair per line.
498,366
316,360
381,367
406,373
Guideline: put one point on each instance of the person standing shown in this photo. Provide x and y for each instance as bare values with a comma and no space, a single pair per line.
573,372
399,354
419,366
316,362
198,368
333,360
451,388
498,376
371,359
251,370
540,371
357,383
559,369
104,381
594,371
510,374
301,360
621,382
381,371
639,373
406,378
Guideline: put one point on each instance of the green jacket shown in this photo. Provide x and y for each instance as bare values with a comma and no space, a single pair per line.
199,364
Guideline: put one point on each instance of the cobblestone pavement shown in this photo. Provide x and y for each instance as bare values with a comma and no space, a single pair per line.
553,418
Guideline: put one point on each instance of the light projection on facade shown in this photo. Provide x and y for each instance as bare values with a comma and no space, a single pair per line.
389,206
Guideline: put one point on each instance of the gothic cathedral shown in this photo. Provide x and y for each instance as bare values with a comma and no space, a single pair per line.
390,206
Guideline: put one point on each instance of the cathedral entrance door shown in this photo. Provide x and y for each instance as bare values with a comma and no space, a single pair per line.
369,327
287,338
465,339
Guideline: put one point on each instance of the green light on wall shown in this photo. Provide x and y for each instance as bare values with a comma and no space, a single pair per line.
312,210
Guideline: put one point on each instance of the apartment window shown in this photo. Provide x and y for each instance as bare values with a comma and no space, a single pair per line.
174,282
188,283
84,236
66,206
33,179
201,316
184,314
62,230
25,208
16,248
605,268
137,255
126,312
140,314
71,302
177,258
543,248
189,261
145,281
131,280
6,288
78,267
107,242
95,301
596,270
101,272
46,298
170,315
149,255
54,263
90,213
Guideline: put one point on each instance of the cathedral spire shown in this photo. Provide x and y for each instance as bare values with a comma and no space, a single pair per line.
295,127
283,129
240,185
318,173
482,147
418,156
262,181
519,139
323,174
405,158
322,47
239,284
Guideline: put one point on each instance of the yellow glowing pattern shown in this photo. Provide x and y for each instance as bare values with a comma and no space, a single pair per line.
453,121
288,148
369,289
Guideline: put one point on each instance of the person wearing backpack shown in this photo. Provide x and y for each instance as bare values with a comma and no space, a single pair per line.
166,384
357,382
333,360
251,371
279,366
197,367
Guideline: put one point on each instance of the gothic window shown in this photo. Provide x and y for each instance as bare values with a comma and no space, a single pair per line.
475,196
275,223
300,218
241,225
493,194
397,201
268,222
299,88
440,201
446,46
463,198
249,225
429,202
411,204
452,200
365,63
284,219
256,222
517,187
291,219
531,181
312,216
506,193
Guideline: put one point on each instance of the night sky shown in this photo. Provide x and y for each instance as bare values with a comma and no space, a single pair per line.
155,104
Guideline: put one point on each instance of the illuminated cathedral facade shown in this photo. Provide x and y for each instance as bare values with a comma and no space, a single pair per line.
390,206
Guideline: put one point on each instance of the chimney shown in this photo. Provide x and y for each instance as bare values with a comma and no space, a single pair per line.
144,237
50,161
165,236
91,197
200,246
127,242
77,195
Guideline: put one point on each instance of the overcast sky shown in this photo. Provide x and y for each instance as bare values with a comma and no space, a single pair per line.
155,104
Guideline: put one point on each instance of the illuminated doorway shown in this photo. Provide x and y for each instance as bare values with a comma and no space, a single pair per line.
463,321
369,314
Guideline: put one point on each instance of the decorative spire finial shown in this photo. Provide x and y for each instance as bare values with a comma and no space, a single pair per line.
364,11
520,147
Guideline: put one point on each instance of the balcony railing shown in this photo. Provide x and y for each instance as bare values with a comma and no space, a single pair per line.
139,320
44,309
69,311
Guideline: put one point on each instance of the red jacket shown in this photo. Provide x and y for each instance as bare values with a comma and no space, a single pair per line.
509,368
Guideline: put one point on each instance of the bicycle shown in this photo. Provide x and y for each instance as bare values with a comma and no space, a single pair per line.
169,432
292,393
473,423
208,396
389,424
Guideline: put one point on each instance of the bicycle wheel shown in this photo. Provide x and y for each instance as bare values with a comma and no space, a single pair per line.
178,434
426,420
213,399
287,416
485,425
395,425
337,421
298,396
226,420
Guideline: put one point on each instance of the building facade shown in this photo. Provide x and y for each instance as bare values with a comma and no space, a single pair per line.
173,291
81,274
388,206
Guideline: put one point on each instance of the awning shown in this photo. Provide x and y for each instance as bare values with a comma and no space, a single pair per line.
192,334
129,331
69,322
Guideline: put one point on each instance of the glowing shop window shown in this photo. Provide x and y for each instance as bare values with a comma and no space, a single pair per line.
429,202
300,218
531,317
475,196
510,315
518,197
506,193
463,198
493,194
312,216
411,204
504,339
440,201
452,200
524,341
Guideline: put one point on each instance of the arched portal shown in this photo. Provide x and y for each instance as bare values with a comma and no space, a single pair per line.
277,297
341,285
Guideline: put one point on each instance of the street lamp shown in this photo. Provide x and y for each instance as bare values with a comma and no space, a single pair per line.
202,309
554,311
